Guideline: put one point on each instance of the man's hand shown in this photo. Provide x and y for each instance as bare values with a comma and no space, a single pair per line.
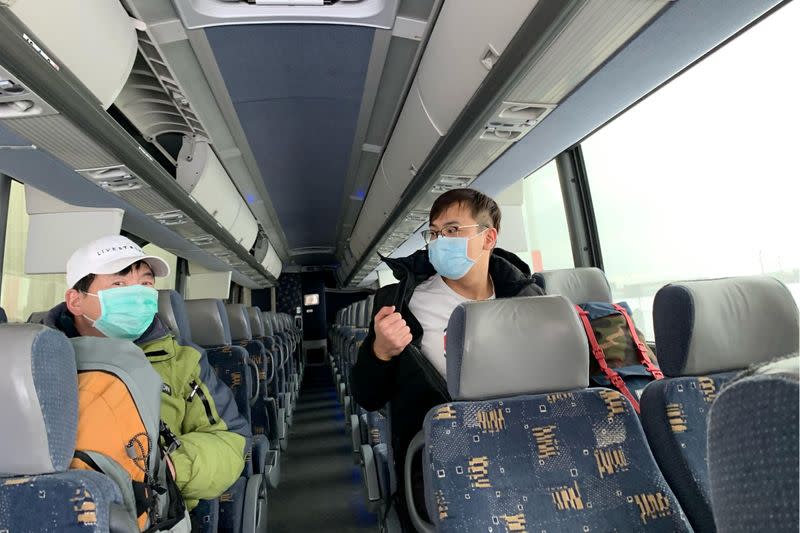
392,335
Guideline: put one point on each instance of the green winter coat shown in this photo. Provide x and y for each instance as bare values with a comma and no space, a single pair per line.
211,431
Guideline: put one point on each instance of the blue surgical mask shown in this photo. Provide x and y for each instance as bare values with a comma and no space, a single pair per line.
125,312
449,257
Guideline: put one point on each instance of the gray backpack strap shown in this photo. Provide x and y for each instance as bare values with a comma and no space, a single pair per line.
126,361
109,467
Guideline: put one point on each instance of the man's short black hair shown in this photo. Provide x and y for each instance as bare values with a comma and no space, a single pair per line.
85,282
483,209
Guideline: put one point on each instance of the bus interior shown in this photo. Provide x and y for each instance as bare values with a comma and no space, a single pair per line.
275,152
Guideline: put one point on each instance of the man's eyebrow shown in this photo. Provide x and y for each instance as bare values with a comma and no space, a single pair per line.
449,223
149,273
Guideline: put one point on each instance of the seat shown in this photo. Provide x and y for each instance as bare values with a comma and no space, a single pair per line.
286,397
275,388
357,336
706,331
753,450
578,285
39,394
526,446
172,312
266,379
37,317
211,329
205,517
266,455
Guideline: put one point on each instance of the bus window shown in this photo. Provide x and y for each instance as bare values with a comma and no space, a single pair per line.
23,294
171,259
545,220
698,181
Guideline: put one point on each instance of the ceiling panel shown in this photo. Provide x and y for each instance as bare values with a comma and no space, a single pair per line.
297,91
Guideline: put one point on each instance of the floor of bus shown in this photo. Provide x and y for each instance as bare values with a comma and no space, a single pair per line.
320,488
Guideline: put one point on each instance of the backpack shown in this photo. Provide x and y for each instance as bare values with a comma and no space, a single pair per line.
620,359
119,431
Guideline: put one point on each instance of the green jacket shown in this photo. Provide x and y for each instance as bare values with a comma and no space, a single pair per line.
212,433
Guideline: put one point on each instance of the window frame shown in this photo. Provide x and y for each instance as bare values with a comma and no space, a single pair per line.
578,208
5,197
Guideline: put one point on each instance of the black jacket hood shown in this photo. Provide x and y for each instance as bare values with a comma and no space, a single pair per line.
509,273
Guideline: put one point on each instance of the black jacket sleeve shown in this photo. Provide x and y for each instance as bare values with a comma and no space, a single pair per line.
372,380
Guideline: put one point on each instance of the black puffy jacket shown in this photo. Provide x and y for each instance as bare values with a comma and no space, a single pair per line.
408,382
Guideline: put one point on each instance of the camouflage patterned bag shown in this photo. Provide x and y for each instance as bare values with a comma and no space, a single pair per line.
621,360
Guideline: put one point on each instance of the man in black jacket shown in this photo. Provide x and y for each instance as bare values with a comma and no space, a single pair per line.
402,362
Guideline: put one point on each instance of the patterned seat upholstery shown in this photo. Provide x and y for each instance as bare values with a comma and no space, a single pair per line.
754,459
706,331
205,517
265,421
39,395
525,446
208,318
265,455
231,515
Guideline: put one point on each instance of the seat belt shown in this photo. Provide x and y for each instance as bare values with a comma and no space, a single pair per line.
600,356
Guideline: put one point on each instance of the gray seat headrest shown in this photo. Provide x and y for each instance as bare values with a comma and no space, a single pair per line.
362,314
239,322
256,324
172,312
269,331
209,322
709,326
508,347
579,285
37,317
39,398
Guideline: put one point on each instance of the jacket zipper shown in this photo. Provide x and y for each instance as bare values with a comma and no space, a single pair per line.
197,390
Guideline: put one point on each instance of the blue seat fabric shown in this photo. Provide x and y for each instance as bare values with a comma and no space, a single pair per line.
71,501
560,462
676,424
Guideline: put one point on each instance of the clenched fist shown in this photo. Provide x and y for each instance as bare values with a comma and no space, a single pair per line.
392,335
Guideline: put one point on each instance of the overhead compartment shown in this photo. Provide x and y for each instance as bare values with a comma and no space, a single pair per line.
379,203
75,31
469,37
413,138
272,263
202,175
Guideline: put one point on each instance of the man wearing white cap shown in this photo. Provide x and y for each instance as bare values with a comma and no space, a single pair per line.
112,294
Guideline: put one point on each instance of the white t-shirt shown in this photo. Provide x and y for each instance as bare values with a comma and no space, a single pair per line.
432,304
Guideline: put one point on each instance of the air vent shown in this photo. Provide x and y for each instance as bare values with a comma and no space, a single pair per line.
171,218
114,179
514,120
17,101
11,88
202,240
447,183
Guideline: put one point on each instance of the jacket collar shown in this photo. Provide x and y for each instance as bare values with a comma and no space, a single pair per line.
61,319
508,279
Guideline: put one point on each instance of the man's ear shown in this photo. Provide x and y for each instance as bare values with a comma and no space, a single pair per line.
490,240
74,300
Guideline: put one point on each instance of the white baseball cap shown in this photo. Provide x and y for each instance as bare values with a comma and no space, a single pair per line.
109,255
